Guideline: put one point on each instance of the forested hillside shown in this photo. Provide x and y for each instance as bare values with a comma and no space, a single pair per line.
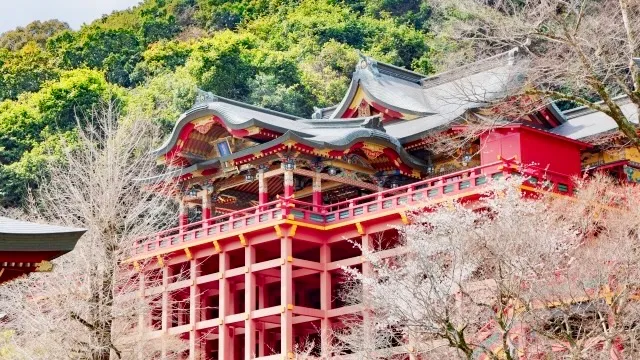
282,54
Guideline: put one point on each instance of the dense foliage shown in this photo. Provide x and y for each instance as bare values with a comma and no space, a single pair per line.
289,55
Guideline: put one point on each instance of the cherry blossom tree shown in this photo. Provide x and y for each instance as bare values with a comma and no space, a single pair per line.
513,274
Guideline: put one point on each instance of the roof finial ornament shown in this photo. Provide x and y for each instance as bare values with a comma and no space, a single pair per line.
317,113
367,62
373,122
204,97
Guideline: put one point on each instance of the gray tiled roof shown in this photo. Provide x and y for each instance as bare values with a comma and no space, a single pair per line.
237,115
16,235
406,131
394,93
11,226
436,100
583,122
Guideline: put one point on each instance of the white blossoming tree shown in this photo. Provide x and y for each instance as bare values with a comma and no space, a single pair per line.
89,307
508,276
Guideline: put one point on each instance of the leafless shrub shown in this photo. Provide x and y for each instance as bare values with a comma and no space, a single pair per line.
579,51
90,306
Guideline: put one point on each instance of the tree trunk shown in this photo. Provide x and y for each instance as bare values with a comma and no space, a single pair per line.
631,42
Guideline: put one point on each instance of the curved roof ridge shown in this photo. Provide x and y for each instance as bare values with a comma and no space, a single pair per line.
407,98
234,114
473,68
368,62
12,226
366,121
320,112
216,98
584,110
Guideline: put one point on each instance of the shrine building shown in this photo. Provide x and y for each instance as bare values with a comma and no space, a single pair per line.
271,203
27,247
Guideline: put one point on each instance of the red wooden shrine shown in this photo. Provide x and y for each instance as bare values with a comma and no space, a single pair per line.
271,203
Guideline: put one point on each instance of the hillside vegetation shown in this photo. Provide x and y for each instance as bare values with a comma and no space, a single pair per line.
150,59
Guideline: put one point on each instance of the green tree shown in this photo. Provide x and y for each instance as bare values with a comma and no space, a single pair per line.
37,31
156,22
55,106
411,12
268,92
163,98
221,14
24,70
115,51
17,178
161,57
328,74
223,64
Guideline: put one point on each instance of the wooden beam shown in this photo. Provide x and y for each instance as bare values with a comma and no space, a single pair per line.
347,166
309,189
327,177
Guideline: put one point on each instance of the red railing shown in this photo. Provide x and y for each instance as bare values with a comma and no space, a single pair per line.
217,225
405,196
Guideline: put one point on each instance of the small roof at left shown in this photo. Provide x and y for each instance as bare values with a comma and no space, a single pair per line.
16,235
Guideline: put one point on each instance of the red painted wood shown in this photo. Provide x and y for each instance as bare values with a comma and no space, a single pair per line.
27,256
274,284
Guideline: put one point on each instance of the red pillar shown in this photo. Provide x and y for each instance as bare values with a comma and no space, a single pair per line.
194,312
263,191
262,341
143,324
166,305
286,296
206,206
225,339
288,183
249,303
325,302
367,269
183,214
317,191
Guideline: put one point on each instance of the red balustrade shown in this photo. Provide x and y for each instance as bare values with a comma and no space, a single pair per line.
449,185
217,225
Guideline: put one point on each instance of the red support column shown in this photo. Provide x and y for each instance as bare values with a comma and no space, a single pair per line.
249,303
206,207
262,341
263,190
367,270
317,191
288,183
142,324
286,296
166,305
194,312
225,344
325,302
183,214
